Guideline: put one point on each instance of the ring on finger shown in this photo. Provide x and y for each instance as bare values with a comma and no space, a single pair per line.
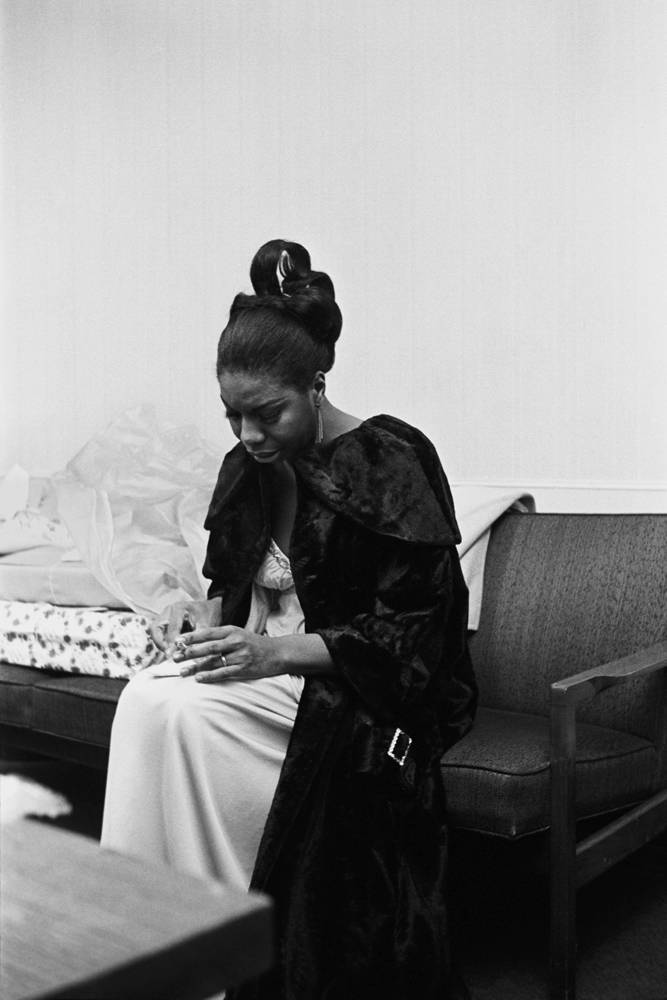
223,660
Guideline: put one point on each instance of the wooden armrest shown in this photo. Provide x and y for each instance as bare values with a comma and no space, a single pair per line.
586,684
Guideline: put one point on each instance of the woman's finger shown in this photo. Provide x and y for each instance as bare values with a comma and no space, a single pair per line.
209,633
195,651
188,668
158,631
208,642
176,617
230,672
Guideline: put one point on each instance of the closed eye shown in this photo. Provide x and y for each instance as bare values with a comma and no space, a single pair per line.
269,417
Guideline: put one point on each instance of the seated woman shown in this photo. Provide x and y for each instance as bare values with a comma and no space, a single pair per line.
298,752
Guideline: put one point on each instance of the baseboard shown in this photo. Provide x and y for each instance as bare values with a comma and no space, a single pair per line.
585,498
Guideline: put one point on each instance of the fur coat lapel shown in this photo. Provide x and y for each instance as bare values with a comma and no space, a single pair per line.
353,476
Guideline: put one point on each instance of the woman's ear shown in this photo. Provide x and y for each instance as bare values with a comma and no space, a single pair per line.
319,387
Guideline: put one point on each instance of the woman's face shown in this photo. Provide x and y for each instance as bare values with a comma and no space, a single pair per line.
272,421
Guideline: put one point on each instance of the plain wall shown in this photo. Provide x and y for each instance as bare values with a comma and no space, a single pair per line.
483,179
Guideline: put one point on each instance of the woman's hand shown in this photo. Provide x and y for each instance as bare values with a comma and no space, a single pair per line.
183,616
228,653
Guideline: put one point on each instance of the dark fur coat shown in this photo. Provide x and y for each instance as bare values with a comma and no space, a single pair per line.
355,847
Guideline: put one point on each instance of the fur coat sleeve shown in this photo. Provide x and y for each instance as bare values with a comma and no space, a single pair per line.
393,608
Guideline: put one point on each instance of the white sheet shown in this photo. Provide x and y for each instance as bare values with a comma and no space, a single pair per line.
59,583
477,509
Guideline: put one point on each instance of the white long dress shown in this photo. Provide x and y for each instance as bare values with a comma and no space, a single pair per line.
193,767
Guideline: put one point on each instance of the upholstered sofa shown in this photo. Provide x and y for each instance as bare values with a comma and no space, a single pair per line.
570,657
572,723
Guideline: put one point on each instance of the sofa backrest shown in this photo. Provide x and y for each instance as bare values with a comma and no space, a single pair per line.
565,592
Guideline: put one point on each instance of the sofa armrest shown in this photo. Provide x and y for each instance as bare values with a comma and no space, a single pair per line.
573,864
585,685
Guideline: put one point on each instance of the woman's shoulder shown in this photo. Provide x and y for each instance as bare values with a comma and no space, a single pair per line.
383,425
389,441
387,474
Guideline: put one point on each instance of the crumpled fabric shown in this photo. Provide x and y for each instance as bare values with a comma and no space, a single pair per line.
134,500
26,524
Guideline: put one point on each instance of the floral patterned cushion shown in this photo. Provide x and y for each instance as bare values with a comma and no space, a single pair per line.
75,640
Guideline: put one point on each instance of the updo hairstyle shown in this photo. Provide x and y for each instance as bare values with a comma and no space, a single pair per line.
288,329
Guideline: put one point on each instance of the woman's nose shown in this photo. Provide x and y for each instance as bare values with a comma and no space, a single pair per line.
251,433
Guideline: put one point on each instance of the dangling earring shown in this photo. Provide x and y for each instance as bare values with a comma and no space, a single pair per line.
320,425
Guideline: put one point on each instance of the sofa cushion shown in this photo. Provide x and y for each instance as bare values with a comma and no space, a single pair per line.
76,707
498,781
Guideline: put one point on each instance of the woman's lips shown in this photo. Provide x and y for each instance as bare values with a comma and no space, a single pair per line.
263,456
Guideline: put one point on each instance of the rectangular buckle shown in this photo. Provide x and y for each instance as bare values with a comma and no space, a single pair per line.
395,753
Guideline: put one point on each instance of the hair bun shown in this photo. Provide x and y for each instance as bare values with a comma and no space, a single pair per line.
314,279
276,262
316,310
282,270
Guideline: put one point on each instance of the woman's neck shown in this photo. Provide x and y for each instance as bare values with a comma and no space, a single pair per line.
336,422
